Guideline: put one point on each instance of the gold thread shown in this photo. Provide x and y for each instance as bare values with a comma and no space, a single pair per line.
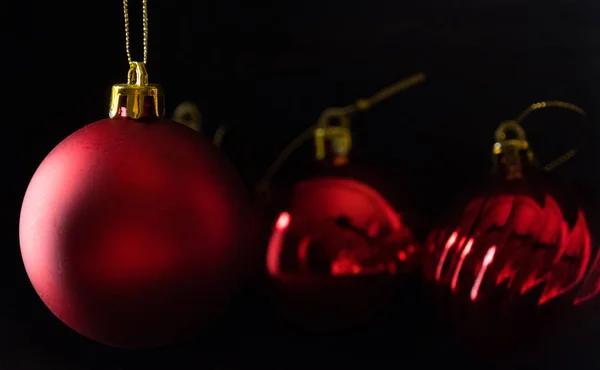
550,104
555,104
130,99
343,114
144,28
388,92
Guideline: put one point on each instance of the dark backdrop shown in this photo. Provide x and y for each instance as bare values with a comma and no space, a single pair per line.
269,68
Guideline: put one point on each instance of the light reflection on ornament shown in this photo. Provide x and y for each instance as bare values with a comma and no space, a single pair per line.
283,221
487,260
515,243
459,265
343,224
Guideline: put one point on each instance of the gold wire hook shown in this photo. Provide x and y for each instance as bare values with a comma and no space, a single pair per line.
343,115
554,104
340,135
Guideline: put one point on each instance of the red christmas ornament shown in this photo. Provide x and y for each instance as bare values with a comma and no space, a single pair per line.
336,243
339,226
512,257
520,234
591,285
334,253
131,229
516,238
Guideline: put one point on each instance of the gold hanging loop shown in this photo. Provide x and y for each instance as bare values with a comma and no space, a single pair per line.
137,98
338,135
555,104
511,149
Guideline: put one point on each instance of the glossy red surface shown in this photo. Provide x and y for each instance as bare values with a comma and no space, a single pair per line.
513,243
333,254
132,233
338,227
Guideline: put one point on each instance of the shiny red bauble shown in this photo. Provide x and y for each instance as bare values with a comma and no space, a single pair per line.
519,237
132,233
508,263
338,250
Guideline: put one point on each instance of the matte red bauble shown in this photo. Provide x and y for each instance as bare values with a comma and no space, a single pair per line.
131,230
510,259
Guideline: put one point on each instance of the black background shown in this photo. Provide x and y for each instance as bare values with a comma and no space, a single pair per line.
269,68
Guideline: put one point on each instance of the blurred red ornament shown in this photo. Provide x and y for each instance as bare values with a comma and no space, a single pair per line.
521,234
131,230
591,284
336,243
511,239
509,261
338,227
335,252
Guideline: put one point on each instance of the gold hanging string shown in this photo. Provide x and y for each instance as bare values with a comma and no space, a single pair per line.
145,30
388,92
137,98
342,113
555,104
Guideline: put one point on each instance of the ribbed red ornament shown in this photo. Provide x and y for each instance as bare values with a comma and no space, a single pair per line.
508,261
132,232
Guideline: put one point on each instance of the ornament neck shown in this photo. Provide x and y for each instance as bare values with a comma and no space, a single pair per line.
512,155
333,141
137,99
332,144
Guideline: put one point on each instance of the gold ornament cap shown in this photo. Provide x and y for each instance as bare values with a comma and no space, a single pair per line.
334,140
511,149
137,99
